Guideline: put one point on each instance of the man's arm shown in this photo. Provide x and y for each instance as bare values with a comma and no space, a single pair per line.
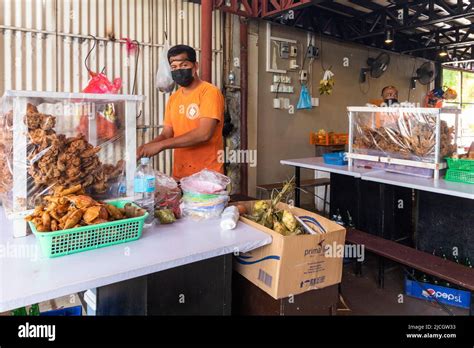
166,133
203,133
197,136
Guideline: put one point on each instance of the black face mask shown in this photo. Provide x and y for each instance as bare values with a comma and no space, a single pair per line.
183,77
390,101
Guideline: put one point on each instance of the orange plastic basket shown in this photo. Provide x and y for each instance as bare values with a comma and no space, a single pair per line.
329,139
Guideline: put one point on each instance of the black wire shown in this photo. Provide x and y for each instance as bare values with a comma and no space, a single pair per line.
321,52
166,19
367,79
305,57
90,51
412,74
368,89
302,68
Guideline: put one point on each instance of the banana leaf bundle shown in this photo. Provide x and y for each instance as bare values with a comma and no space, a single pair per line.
281,221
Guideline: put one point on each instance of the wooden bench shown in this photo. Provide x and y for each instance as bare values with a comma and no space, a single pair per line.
268,188
438,267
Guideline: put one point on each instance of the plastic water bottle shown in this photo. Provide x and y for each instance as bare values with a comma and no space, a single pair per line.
144,187
122,186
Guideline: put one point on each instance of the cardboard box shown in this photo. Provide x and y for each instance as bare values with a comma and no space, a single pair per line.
291,265
428,292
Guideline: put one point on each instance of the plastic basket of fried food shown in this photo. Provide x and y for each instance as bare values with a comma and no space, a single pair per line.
71,221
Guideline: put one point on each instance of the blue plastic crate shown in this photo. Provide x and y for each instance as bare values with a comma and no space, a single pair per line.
448,296
335,158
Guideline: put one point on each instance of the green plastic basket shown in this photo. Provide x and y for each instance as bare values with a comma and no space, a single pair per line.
460,176
460,164
74,240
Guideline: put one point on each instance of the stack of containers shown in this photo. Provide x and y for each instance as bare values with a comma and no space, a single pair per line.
204,194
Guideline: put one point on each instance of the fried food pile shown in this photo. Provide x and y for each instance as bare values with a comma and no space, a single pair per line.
56,159
407,140
71,208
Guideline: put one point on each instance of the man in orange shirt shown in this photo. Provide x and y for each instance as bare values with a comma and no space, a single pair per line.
194,118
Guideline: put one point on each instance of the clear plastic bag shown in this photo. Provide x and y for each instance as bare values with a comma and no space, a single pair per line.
6,149
167,193
205,181
164,80
204,194
204,210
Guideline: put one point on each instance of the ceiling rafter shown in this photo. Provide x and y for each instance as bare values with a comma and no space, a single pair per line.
421,26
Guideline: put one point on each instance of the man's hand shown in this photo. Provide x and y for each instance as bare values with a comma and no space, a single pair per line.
149,150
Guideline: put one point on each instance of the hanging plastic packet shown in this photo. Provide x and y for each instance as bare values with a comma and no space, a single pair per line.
305,99
327,83
164,80
106,119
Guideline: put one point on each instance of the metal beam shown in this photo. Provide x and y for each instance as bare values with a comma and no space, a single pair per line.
272,8
340,21
367,4
243,8
413,22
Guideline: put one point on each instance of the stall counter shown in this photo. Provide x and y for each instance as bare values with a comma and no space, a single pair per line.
27,277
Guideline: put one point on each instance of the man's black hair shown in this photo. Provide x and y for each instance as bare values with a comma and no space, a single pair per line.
389,86
179,49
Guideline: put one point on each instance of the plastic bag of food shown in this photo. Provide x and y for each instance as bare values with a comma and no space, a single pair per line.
164,80
167,193
105,117
206,181
204,210
165,216
99,83
204,194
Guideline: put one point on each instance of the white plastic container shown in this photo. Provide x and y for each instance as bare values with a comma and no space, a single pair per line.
229,218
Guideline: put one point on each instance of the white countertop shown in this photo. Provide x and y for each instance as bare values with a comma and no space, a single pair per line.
440,186
317,163
27,277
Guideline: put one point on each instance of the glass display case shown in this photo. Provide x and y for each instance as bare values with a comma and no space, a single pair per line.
406,140
49,139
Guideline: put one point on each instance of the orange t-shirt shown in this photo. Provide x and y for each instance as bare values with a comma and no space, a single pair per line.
182,114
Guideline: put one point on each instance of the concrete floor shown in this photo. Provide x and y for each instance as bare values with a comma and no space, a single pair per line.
363,297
